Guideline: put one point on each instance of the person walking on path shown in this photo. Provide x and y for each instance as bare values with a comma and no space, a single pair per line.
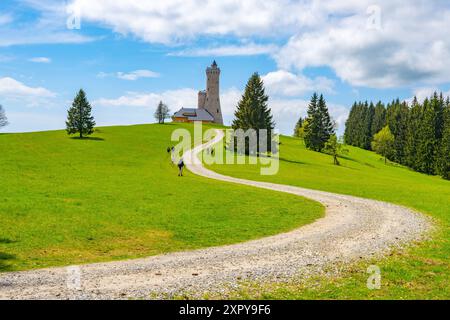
173,155
180,167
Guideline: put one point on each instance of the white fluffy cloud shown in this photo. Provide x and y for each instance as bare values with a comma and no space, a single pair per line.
395,44
392,44
178,20
12,88
285,83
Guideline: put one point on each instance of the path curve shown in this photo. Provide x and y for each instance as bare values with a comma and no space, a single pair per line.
352,228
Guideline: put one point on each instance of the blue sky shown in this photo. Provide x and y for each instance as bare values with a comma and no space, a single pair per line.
128,55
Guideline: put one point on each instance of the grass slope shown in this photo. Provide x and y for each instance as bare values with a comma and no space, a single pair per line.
116,196
420,272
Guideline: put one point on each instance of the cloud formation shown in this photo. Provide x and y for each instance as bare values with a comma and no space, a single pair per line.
284,83
395,43
40,60
12,88
130,76
250,49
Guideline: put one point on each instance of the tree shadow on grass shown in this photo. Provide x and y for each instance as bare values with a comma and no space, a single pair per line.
4,264
291,161
6,241
88,138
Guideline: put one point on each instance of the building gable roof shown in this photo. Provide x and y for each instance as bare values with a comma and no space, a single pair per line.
193,114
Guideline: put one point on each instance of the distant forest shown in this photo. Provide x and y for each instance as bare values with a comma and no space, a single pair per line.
421,131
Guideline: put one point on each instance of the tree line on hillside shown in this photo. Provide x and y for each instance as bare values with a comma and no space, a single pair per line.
416,135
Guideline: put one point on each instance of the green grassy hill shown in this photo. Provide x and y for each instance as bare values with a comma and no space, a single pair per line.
115,196
421,272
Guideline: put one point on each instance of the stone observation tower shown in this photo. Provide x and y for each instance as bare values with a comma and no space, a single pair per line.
208,110
209,100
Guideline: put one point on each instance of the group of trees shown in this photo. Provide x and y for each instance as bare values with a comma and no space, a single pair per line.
416,135
80,120
253,113
318,129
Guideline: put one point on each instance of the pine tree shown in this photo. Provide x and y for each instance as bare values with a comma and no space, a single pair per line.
319,127
79,118
3,118
161,113
254,113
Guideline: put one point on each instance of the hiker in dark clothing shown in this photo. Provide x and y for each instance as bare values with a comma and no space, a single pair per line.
168,149
180,167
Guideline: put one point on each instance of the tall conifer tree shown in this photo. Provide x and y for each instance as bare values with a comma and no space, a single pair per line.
253,112
79,118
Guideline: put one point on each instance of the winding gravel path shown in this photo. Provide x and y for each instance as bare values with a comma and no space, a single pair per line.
353,228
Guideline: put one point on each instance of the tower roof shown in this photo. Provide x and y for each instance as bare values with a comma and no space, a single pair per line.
214,65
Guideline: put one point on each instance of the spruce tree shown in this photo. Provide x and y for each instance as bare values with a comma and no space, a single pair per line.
312,136
444,153
397,120
254,113
79,118
327,128
349,134
3,118
430,134
412,138
379,119
367,126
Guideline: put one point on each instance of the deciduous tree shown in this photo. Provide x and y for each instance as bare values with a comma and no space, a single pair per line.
383,142
3,118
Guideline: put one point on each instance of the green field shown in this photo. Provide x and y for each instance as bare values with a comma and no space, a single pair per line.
422,271
116,196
